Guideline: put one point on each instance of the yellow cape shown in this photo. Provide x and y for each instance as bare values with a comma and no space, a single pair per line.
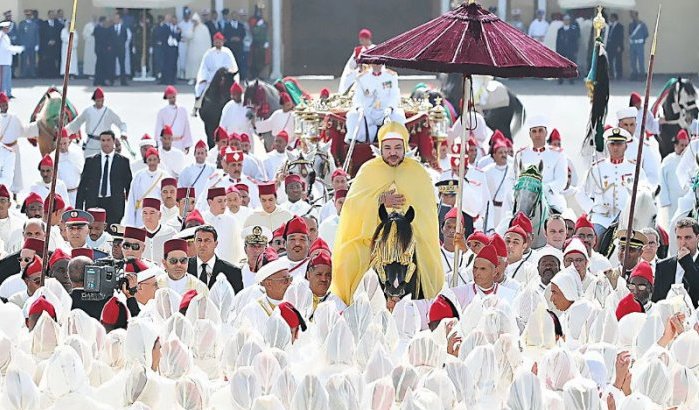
360,217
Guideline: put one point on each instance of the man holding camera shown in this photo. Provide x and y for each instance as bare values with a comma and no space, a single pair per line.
143,280
81,299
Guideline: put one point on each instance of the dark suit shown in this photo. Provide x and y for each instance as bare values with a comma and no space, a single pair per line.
119,39
169,53
93,308
104,53
9,265
665,278
119,183
212,28
50,49
233,274
615,48
234,38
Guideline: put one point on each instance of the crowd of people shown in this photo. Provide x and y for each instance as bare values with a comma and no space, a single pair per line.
247,286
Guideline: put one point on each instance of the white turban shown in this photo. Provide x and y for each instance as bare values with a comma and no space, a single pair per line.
525,392
405,379
176,360
438,382
581,394
569,282
341,392
557,368
244,388
685,349
339,345
139,343
64,373
270,269
627,112
20,392
310,395
653,380
191,393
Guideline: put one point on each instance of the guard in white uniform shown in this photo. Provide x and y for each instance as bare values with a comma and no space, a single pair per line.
376,97
277,156
173,159
11,129
196,175
555,166
234,114
280,120
177,118
352,68
670,188
145,184
70,165
43,186
214,58
97,119
231,174
651,153
500,176
139,163
610,180
168,197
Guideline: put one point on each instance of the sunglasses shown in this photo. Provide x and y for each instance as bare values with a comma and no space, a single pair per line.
632,286
36,281
25,259
181,261
130,245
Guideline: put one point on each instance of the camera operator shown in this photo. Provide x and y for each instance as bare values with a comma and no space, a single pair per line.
76,272
143,279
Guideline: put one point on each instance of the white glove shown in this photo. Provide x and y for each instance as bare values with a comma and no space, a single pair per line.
36,48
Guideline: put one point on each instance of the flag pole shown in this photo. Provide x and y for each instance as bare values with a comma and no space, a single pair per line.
639,155
57,153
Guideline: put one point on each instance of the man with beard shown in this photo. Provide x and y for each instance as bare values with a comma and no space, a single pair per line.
397,183
548,265
297,246
99,238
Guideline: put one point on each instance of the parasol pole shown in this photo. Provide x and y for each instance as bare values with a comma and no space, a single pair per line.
57,152
649,78
465,110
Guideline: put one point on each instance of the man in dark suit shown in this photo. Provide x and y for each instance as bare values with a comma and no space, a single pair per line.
615,46
120,36
168,37
206,265
234,31
104,52
682,268
105,181
76,272
50,47
210,23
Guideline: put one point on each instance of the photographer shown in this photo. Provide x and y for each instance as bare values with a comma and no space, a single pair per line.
76,273
143,279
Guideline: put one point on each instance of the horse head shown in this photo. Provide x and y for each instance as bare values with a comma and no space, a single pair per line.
221,84
393,253
321,158
262,97
529,190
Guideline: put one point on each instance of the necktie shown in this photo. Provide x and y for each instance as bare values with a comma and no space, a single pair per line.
105,171
204,276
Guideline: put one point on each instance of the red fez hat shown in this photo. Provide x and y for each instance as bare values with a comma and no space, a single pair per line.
97,94
583,222
75,252
137,234
324,93
168,182
242,187
183,192
523,220
236,89
291,178
232,188
635,99
169,90
682,135
235,137
41,305
644,270
499,144
517,230
98,214
64,133
284,98
664,237
4,193
627,305
37,245
497,136
135,266
200,144
214,192
340,193
194,216
32,198
219,36
283,134
167,130
296,225
234,156
442,308
58,255
339,172
555,135
58,203
472,142
187,299
489,253
46,161
499,245
3,98
322,258
292,316
175,245
114,314
279,232
33,268
152,151
365,33
220,134
244,138
317,245
151,203
478,236
451,214
269,188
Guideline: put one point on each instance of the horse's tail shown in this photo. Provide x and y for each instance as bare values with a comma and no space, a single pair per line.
519,114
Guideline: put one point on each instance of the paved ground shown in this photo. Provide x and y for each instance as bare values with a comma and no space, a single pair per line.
566,105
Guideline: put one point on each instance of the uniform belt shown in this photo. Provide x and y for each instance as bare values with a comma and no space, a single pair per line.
93,137
497,203
637,41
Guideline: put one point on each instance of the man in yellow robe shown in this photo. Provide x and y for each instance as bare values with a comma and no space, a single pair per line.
398,183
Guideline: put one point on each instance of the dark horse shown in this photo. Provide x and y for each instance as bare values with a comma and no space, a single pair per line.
508,118
263,98
679,102
213,100
393,254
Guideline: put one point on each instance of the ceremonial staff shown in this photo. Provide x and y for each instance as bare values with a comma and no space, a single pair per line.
649,78
57,153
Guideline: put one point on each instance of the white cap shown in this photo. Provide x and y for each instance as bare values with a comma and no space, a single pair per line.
270,269
627,112
186,233
569,215
615,132
147,274
575,245
569,282
257,233
537,121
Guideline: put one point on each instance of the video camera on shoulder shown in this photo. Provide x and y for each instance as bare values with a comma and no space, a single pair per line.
104,277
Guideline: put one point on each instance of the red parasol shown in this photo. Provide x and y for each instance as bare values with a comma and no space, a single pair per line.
471,40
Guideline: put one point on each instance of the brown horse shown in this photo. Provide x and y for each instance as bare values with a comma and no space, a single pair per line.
46,115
